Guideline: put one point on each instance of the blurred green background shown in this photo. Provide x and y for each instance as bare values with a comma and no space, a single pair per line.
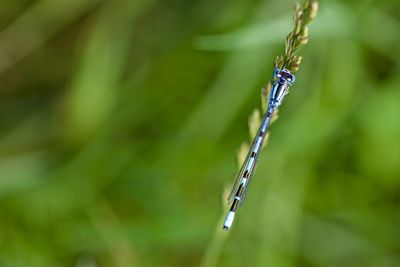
120,121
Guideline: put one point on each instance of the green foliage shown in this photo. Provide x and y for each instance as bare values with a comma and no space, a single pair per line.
120,121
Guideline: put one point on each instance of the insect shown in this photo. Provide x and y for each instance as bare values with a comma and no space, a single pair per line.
283,79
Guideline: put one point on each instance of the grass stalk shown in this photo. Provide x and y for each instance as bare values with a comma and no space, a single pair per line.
295,40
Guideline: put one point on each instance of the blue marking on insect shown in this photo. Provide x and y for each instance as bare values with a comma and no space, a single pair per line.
283,80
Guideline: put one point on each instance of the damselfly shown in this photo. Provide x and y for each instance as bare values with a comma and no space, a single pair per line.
283,79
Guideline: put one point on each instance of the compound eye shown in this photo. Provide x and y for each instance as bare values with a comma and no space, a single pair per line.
289,79
279,75
276,71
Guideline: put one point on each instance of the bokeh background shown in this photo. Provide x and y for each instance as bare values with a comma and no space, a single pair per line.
120,121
